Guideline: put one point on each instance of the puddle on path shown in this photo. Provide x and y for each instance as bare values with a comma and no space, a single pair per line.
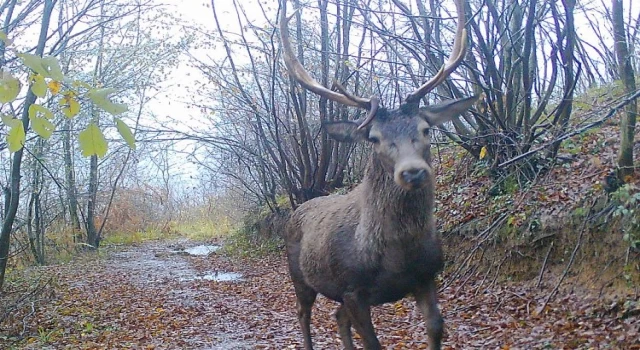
202,250
156,265
217,277
223,277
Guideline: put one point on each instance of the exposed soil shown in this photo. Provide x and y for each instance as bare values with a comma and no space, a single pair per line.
157,296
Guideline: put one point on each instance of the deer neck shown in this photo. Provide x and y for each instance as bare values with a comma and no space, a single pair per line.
390,212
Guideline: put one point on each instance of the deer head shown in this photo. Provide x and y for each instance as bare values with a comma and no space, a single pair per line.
400,137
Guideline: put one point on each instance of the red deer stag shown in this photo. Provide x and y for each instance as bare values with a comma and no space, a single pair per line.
378,243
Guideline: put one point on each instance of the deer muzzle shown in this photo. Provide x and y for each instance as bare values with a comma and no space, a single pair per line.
412,175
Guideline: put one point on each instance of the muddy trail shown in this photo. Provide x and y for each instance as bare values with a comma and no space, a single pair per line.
178,295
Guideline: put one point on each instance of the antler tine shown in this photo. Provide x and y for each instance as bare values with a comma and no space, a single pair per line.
374,104
457,55
298,72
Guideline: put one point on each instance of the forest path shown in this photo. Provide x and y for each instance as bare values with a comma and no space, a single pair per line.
157,296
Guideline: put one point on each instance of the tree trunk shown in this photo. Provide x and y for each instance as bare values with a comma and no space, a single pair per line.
626,73
70,179
35,227
565,108
16,166
93,238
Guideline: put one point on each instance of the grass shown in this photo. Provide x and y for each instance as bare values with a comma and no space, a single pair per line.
204,228
245,244
129,238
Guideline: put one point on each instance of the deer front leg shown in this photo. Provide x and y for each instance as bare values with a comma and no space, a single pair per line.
427,302
344,327
360,314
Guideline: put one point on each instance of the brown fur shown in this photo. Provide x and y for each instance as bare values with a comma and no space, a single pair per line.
378,243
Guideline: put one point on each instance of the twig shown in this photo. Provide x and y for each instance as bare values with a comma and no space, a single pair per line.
573,255
484,278
495,277
484,236
544,265
21,300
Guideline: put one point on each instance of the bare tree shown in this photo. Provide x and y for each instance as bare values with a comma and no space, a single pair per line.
16,166
627,75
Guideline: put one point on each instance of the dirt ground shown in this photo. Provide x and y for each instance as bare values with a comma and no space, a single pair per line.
158,296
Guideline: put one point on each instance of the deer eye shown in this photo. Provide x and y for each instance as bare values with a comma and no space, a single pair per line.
373,140
426,131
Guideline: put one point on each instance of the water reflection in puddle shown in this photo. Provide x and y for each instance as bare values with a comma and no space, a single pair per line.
202,250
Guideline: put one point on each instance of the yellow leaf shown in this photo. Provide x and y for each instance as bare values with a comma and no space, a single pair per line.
483,152
38,86
70,107
9,87
92,141
54,86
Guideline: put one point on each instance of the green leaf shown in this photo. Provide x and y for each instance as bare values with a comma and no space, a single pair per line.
9,87
16,137
42,127
4,38
46,66
38,85
9,120
39,116
92,141
36,110
34,62
101,99
53,66
126,133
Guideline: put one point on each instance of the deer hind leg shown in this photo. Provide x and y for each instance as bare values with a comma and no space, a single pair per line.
306,296
344,327
427,302
359,313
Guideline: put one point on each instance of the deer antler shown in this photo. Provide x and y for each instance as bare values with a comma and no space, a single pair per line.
457,55
298,72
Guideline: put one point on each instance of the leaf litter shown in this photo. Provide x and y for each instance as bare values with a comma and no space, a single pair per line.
149,297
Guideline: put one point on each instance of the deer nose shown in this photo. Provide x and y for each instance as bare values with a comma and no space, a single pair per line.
414,176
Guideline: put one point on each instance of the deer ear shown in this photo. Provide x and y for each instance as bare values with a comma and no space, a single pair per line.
441,113
345,131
